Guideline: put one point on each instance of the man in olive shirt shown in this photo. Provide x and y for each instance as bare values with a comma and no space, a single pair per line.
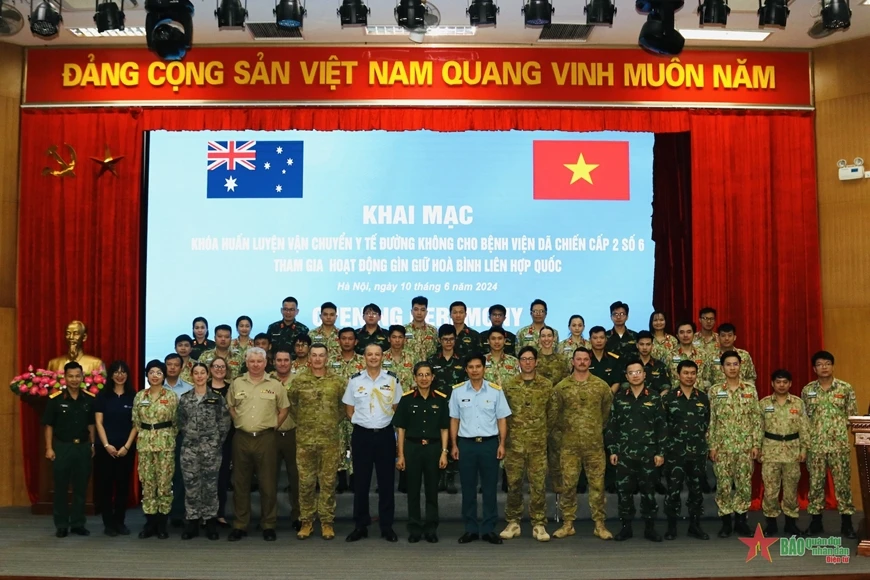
258,404
69,445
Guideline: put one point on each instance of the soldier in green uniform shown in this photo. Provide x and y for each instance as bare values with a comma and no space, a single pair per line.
499,366
829,403
448,370
663,342
576,325
530,335
528,395
327,333
688,351
371,332
244,340
288,328
69,445
705,339
620,339
223,337
784,448
635,438
553,365
422,422
345,365
315,400
497,316
579,408
658,376
734,439
183,347
421,339
727,336
687,414
398,359
467,339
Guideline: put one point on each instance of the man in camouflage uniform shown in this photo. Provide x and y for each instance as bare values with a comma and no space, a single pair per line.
448,370
528,395
688,351
345,365
223,337
371,332
620,339
705,340
784,448
315,399
467,339
421,339
727,337
497,316
579,408
531,335
552,363
327,333
635,438
829,403
398,359
734,439
499,366
288,328
687,414
658,376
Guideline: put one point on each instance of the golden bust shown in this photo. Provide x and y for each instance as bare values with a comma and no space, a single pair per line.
76,335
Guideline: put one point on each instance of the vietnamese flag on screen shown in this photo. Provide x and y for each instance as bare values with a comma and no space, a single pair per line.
581,170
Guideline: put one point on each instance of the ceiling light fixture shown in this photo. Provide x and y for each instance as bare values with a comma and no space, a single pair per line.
772,13
599,12
538,13
289,13
836,14
353,13
108,16
713,12
657,35
169,27
482,12
231,15
45,20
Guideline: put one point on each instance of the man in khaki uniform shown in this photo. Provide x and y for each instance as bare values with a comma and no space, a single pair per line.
327,333
285,442
258,404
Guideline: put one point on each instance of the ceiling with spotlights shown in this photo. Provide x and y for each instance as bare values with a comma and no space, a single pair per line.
321,26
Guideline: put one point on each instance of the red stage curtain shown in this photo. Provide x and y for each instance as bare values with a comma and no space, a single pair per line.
754,226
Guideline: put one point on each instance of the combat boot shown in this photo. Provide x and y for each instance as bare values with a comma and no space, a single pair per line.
601,531
649,531
211,529
815,526
671,533
695,528
150,528
846,529
511,531
741,526
770,528
191,529
625,533
451,484
540,533
326,531
305,530
726,530
790,528
162,526
566,530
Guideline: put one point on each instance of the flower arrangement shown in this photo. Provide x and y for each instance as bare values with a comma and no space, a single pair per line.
42,383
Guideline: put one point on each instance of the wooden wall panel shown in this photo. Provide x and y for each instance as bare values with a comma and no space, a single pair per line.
840,70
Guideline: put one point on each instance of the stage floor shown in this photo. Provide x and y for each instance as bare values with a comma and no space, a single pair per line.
28,548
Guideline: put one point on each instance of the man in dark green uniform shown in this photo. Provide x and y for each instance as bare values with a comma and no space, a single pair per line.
372,332
447,370
658,375
635,438
69,445
621,340
497,315
286,330
422,421
467,339
687,414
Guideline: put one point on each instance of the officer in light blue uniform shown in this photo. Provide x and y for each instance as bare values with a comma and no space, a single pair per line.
478,429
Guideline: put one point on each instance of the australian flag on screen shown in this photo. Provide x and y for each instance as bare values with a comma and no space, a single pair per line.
254,169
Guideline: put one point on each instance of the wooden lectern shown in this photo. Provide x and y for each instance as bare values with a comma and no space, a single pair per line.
861,428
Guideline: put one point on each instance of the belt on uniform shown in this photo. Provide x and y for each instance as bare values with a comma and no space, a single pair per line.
155,426
421,441
775,437
257,433
76,441
479,439
286,431
378,430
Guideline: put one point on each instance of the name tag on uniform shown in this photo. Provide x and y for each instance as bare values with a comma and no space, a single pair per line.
530,335
64,405
647,404
721,395
318,337
336,365
488,364
436,368
409,335
769,409
676,359
144,403
716,361
812,394
211,401
388,364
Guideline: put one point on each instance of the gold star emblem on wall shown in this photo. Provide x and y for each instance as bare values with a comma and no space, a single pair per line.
108,162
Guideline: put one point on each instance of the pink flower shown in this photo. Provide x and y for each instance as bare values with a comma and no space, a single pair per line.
30,368
63,382
94,390
23,390
43,392
53,382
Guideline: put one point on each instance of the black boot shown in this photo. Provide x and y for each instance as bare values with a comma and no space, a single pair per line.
695,528
451,484
671,533
191,529
442,481
625,533
504,486
741,525
846,529
150,527
342,482
649,531
790,528
403,482
771,529
162,526
211,529
815,526
726,530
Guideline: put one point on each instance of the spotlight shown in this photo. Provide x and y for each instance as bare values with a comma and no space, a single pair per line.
45,20
599,12
658,35
713,12
108,16
169,27
538,13
289,13
836,14
773,13
410,14
353,13
231,14
482,12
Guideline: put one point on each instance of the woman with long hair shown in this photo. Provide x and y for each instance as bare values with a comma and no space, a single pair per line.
113,460
663,343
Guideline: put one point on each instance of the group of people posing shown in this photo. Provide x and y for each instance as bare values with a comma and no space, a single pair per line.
336,404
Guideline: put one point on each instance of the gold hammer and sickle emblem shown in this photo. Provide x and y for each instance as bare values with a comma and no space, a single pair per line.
66,169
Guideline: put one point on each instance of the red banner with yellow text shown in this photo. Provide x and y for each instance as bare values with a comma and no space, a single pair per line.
419,76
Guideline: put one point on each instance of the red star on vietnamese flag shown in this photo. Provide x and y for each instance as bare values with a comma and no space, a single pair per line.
759,544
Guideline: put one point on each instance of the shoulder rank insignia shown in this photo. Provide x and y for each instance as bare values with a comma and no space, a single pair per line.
87,392
392,374
459,385
411,392
613,355
355,375
55,394
495,386
439,394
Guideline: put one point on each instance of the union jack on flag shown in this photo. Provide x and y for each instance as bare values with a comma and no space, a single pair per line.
235,169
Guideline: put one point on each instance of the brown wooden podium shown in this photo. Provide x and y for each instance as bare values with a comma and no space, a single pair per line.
861,428
45,502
